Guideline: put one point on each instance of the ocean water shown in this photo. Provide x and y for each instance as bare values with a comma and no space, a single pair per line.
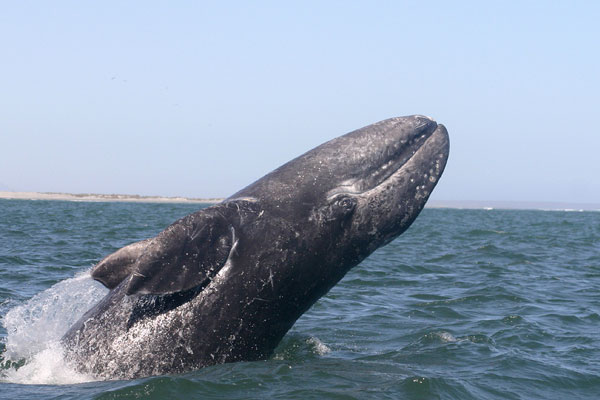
467,304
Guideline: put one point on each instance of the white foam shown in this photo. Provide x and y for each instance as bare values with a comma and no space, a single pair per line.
46,367
318,347
35,328
446,337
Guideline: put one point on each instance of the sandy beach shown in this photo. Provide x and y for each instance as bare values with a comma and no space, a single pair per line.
460,204
103,197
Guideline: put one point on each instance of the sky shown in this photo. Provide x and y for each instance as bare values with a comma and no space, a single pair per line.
200,99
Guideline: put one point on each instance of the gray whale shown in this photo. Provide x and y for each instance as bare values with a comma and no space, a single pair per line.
226,283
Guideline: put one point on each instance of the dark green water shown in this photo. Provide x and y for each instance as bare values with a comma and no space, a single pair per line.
467,304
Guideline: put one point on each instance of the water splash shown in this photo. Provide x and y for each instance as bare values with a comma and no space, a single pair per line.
33,353
318,347
46,367
445,337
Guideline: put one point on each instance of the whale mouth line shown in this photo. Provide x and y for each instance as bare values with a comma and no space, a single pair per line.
383,173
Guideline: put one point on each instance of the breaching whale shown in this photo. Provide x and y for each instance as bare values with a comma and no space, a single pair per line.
226,283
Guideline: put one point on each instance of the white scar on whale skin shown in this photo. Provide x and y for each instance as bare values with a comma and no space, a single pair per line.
141,338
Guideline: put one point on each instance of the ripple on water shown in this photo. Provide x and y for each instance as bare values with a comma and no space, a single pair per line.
467,304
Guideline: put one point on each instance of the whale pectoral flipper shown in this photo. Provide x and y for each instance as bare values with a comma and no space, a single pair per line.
112,269
187,254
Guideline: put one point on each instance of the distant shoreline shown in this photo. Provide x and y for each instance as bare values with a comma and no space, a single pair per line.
93,197
457,204
513,205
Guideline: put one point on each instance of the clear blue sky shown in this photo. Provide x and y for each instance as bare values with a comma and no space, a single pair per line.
200,99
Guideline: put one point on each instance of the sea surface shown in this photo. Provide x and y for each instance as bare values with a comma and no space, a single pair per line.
467,304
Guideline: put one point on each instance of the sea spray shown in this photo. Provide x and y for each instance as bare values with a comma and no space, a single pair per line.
33,353
47,367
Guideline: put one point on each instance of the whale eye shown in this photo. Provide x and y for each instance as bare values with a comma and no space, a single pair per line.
346,203
338,208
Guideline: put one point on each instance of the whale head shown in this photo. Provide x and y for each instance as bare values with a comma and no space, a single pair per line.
367,186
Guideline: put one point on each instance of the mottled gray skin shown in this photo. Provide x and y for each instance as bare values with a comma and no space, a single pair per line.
226,283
